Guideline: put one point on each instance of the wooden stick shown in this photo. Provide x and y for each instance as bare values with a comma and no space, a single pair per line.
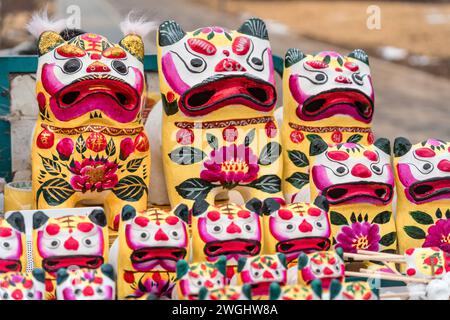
359,257
368,252
398,295
385,276
387,265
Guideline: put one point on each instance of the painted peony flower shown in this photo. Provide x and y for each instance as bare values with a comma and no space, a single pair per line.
65,148
92,175
359,236
438,235
231,165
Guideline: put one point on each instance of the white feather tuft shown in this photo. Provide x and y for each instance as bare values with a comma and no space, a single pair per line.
138,26
40,22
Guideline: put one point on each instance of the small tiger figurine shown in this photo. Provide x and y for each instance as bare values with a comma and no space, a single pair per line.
86,284
313,291
354,290
22,285
295,228
151,242
71,240
422,174
325,95
227,293
191,278
260,272
13,256
426,263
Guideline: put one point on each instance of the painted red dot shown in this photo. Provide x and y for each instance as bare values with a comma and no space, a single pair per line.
338,155
297,136
98,280
244,214
185,136
172,220
370,138
410,272
28,284
314,212
372,156
271,129
170,96
85,226
141,221
409,251
230,134
128,277
425,153
336,137
5,232
285,214
213,215
52,229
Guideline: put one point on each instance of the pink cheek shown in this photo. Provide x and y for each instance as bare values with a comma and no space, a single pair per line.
274,232
202,231
245,277
405,175
68,294
109,294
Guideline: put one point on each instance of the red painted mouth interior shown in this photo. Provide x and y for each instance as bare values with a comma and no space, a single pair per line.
9,265
158,253
118,92
56,263
348,191
238,246
303,245
262,288
427,189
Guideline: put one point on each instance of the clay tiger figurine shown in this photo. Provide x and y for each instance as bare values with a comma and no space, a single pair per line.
354,290
218,93
227,293
13,256
22,285
89,145
327,95
358,183
151,243
422,174
313,291
71,240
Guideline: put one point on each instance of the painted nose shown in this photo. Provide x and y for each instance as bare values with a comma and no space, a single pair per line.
71,244
305,226
229,65
327,271
209,284
444,165
361,171
161,236
233,228
98,66
267,275
17,294
88,291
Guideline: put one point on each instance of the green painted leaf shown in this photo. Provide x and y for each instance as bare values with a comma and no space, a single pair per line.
51,166
130,188
298,179
186,155
228,36
194,188
212,141
170,108
447,213
421,217
270,153
353,217
354,138
269,183
80,145
197,32
298,158
415,232
134,165
388,239
312,137
438,213
55,191
327,59
110,148
210,35
249,137
338,219
382,218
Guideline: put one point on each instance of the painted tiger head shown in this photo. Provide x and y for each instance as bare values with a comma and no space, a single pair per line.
22,285
86,284
154,239
329,85
212,68
429,262
297,227
355,290
191,278
88,77
71,240
296,291
229,229
261,271
352,173
423,169
323,265
12,243
243,292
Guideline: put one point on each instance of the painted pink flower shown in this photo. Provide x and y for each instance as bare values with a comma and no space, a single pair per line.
65,148
439,235
91,175
230,165
213,29
126,148
359,236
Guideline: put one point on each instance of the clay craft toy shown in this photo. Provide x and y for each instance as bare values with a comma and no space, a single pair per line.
296,291
66,241
13,256
422,174
295,228
151,243
426,262
227,293
358,183
326,95
260,272
322,265
219,132
86,284
355,290
89,145
22,285
191,278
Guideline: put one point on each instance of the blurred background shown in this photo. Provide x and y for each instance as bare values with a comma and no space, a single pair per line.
408,42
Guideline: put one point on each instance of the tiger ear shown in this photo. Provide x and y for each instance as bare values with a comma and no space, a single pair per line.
254,27
384,145
221,265
48,41
401,146
169,32
247,291
241,263
335,289
39,219
274,291
292,56
182,212
202,293
360,55
316,286
134,45
302,261
199,207
182,268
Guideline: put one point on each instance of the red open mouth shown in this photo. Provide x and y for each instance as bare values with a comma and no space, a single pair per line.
158,253
55,263
306,244
9,265
424,190
237,246
262,288
341,101
339,193
215,93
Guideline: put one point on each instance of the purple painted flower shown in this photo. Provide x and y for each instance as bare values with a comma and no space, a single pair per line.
230,165
91,175
359,236
439,235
